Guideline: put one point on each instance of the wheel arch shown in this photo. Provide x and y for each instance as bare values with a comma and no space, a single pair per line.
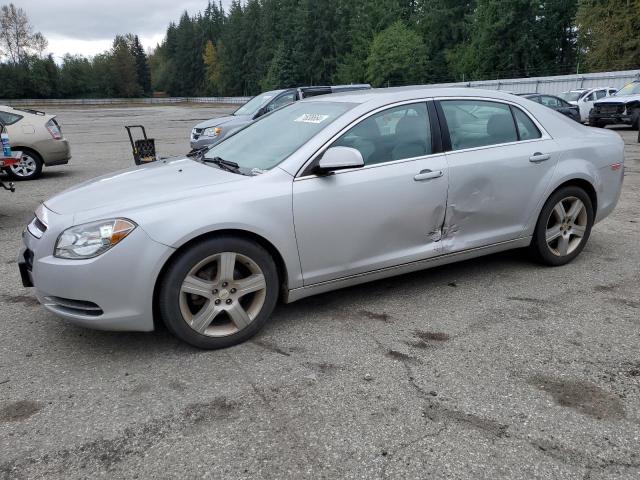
231,232
585,185
28,149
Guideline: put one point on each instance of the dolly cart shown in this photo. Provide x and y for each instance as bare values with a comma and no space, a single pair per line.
144,149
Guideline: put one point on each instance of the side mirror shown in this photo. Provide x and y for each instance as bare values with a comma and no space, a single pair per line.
340,158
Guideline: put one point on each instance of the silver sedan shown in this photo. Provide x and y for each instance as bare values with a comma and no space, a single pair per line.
325,193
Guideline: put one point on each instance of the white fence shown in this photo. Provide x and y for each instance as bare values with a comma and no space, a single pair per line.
553,85
124,101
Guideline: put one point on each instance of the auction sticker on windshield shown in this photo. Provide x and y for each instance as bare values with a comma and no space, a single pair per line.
311,118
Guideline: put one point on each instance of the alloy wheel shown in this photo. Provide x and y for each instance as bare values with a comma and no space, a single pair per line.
222,294
25,168
566,226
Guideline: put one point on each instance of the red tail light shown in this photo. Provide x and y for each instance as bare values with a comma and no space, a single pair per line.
616,166
54,129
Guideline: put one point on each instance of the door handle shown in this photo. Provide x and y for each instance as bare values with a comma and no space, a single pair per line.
428,175
539,157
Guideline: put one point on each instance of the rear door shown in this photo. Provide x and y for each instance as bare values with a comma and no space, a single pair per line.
500,164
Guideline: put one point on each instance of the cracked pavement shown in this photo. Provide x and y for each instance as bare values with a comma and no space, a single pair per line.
494,368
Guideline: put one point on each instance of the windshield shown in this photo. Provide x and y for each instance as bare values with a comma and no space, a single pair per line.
264,144
629,89
572,96
253,105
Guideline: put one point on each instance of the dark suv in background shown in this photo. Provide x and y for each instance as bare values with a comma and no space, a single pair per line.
622,108
214,130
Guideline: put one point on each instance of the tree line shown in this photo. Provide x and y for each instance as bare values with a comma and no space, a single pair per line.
257,45
27,72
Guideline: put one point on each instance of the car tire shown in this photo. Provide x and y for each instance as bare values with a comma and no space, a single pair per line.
29,168
563,227
636,122
596,123
218,292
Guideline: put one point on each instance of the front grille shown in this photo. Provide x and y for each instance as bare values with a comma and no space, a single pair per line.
77,307
196,133
610,108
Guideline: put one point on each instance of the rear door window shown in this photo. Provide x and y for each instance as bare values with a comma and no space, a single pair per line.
9,118
478,123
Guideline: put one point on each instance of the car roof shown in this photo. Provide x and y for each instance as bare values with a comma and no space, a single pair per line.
383,96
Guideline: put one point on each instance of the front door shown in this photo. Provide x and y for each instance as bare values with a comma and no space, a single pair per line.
388,213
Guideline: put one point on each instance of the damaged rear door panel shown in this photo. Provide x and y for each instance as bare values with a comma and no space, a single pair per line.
500,166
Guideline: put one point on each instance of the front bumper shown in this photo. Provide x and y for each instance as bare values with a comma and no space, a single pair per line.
54,152
611,118
111,292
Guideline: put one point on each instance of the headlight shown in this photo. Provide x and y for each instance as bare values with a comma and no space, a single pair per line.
212,131
92,239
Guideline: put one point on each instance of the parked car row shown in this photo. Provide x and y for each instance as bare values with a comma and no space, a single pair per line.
585,98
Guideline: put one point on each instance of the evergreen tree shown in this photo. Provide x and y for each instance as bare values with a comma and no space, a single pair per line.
502,41
124,69
609,33
142,66
397,57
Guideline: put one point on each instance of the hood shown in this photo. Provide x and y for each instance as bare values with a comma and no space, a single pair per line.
152,184
623,99
230,121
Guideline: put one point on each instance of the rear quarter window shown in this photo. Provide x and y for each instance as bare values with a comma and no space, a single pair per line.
9,118
526,128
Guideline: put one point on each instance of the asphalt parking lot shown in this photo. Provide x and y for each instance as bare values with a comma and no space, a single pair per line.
494,368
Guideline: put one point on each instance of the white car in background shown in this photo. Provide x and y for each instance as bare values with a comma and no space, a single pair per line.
584,99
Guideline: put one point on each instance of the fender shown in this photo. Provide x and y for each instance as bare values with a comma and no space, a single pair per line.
566,171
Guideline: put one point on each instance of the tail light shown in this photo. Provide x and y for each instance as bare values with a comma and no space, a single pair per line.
54,129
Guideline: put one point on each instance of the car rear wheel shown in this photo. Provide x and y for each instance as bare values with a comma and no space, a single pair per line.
563,227
29,168
219,292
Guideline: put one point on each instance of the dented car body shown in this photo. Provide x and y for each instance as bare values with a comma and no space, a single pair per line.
445,175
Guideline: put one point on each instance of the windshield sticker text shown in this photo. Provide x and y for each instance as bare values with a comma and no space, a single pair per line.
311,118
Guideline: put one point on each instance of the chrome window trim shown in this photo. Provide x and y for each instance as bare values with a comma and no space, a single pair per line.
543,131
357,121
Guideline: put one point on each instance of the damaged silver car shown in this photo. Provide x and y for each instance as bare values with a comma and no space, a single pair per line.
325,193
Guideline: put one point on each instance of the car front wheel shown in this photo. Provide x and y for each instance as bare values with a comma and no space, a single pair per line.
219,292
29,168
563,227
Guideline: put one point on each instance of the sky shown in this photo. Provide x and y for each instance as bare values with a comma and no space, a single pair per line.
87,27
